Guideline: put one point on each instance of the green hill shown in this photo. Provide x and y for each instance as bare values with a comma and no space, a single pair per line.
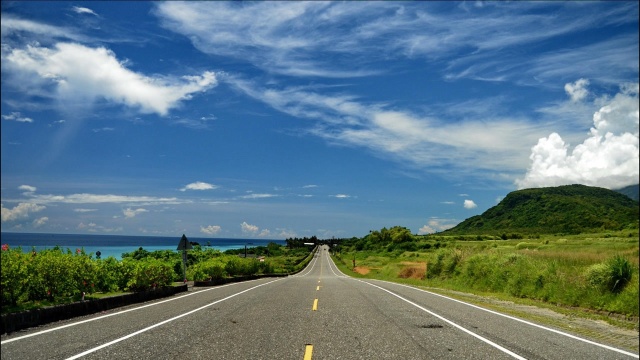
631,191
564,209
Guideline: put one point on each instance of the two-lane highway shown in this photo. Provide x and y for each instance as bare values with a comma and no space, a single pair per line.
317,314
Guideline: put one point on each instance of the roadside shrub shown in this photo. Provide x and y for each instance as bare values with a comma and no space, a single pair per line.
14,275
149,273
612,275
108,272
434,268
50,275
207,270
237,266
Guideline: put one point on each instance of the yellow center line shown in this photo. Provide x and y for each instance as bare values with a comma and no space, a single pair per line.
307,352
318,288
315,305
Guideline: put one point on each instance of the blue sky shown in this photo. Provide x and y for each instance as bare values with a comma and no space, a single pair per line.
282,119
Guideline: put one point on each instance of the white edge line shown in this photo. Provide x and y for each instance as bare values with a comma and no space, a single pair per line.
505,350
116,313
506,316
522,321
164,322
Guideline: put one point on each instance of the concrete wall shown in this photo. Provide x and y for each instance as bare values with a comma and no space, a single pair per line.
25,319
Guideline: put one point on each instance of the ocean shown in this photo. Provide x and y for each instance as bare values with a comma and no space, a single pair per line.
116,245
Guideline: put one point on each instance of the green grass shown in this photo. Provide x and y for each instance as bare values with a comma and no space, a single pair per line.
555,270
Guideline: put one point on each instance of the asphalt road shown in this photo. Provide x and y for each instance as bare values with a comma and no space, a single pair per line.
318,314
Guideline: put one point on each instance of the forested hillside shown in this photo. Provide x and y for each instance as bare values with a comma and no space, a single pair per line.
568,209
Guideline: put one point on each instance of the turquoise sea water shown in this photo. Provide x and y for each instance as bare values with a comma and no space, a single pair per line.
115,245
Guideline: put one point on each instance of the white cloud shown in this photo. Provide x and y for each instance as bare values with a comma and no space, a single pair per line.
84,210
83,10
309,186
264,233
21,211
482,143
577,90
341,196
40,222
210,229
469,204
98,199
27,188
247,228
607,158
258,196
131,213
82,73
199,185
95,228
435,225
16,116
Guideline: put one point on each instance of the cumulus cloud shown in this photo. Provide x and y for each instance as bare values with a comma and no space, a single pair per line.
435,225
577,90
199,185
248,228
40,222
16,116
210,230
607,158
131,213
21,211
264,233
79,72
469,204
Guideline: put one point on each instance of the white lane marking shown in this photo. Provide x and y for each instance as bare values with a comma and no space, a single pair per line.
520,320
118,313
504,315
506,351
307,270
164,322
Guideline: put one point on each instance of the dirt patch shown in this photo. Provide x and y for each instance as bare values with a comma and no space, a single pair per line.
362,270
412,272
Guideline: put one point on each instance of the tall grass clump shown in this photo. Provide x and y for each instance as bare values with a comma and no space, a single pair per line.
611,276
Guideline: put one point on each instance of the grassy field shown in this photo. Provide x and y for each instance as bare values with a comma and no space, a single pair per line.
590,275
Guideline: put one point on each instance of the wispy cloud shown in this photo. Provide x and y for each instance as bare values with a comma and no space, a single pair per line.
293,39
83,10
258,196
16,116
420,140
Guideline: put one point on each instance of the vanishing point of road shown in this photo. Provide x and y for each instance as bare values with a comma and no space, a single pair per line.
319,313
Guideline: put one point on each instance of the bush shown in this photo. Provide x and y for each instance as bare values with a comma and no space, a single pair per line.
14,275
148,273
611,276
237,266
207,270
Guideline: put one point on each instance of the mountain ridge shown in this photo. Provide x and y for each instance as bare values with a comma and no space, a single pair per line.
562,209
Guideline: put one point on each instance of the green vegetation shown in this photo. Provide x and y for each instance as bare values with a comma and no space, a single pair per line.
31,280
570,209
594,271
